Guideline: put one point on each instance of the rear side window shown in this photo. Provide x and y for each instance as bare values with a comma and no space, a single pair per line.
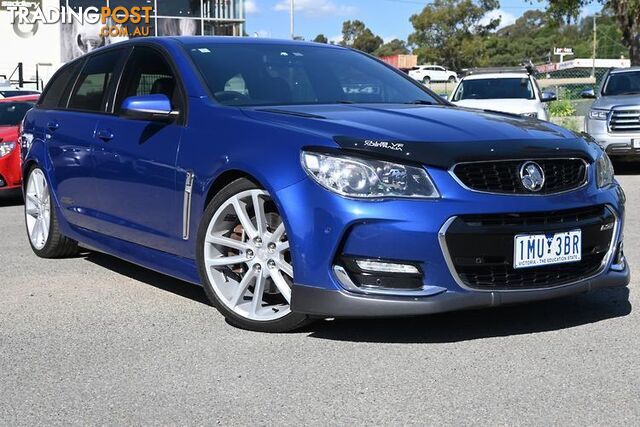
91,90
57,92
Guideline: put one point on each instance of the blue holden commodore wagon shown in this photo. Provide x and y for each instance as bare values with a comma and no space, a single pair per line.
296,181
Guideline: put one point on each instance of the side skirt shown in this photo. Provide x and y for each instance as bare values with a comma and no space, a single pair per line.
161,262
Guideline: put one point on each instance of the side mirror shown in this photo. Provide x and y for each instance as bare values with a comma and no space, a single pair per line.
549,96
588,93
148,107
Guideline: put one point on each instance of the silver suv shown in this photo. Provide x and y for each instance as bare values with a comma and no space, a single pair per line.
614,118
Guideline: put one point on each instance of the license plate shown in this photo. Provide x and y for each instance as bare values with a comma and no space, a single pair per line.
635,143
534,250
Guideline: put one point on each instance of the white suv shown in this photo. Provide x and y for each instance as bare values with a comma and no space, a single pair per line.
433,73
507,92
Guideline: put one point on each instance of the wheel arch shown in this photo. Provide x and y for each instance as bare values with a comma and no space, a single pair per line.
224,179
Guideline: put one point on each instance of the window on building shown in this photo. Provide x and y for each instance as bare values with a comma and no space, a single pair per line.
186,8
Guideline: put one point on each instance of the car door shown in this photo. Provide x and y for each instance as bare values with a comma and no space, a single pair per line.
439,74
69,123
136,159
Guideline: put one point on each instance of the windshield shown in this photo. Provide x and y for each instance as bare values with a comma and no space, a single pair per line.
12,113
627,83
507,88
260,74
16,92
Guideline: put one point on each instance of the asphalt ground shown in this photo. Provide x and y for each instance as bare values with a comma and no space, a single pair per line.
95,340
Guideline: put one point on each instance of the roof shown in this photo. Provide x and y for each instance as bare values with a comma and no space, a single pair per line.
624,70
485,76
198,40
21,98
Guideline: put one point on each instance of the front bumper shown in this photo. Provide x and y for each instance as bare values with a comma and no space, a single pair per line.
340,303
409,230
615,144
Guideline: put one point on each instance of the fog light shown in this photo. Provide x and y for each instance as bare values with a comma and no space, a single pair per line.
619,262
372,266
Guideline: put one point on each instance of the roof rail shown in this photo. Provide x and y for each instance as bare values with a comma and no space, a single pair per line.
529,69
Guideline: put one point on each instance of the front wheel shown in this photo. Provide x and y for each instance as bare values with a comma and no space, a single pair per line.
452,79
426,80
245,260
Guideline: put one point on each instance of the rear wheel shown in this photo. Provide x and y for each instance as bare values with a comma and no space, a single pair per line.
245,260
426,80
40,217
452,79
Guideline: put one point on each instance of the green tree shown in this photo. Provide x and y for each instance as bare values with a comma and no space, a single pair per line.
355,34
321,38
626,13
449,32
394,47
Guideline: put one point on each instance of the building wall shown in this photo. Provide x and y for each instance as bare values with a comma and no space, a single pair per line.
58,43
30,45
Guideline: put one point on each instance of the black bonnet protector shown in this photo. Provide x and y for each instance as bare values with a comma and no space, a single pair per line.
446,154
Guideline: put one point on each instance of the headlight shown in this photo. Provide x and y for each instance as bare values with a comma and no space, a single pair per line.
604,171
6,148
363,178
598,114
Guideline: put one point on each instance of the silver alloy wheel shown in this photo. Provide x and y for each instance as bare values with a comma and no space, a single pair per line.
37,208
247,257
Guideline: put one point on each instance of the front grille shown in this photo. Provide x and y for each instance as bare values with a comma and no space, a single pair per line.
504,176
625,120
481,247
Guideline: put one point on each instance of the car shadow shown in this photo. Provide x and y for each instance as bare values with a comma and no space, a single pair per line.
10,198
149,277
451,327
626,168
460,326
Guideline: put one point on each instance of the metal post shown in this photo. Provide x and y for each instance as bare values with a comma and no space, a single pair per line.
20,75
293,36
595,40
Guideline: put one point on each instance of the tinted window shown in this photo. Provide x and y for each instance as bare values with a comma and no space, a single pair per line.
627,83
507,88
245,74
12,113
91,89
57,92
147,72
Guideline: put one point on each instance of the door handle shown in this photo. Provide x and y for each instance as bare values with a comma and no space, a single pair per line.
53,126
105,135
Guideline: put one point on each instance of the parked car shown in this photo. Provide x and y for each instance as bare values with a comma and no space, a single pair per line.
433,73
614,119
12,111
7,90
290,196
505,91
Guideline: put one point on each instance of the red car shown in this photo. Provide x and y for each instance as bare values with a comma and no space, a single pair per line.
12,111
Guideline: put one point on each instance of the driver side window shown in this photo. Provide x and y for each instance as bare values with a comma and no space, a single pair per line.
148,73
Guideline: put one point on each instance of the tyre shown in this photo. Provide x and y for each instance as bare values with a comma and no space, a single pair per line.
244,260
41,221
452,79
426,80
